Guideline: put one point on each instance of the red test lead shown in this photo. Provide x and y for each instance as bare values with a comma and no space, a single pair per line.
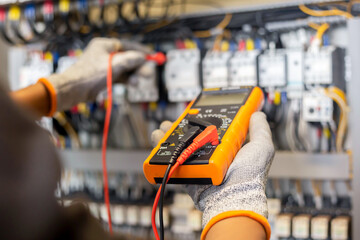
158,57
209,135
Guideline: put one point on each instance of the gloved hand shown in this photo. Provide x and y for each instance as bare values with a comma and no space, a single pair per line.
242,192
87,77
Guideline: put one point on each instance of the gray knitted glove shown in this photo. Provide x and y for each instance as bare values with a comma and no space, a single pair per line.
245,180
87,77
244,184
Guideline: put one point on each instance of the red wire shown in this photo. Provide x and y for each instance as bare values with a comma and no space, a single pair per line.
159,58
153,213
104,141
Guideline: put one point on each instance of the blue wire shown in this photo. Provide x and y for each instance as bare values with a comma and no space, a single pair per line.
67,143
55,57
233,46
82,4
283,97
30,11
198,43
326,40
258,43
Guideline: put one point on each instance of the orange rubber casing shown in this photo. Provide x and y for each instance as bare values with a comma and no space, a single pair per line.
224,153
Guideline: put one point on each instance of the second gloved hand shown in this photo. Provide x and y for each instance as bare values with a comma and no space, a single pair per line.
242,192
87,77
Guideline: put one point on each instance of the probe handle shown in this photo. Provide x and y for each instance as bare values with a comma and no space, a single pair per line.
158,57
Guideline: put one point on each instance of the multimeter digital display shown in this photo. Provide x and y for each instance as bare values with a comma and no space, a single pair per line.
229,109
212,99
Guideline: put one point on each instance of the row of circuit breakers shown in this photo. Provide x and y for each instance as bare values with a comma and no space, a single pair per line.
284,69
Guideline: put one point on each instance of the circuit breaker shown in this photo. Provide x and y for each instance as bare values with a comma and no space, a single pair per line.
34,68
216,69
325,66
65,62
143,88
182,74
272,68
295,73
242,69
317,107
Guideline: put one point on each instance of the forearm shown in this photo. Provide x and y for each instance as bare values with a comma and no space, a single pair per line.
241,228
34,98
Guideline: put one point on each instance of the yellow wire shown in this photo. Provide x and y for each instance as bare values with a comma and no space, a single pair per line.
61,118
339,92
222,25
316,186
159,25
314,25
324,13
338,96
217,42
321,30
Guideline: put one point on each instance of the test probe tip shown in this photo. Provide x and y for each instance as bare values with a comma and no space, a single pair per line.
158,57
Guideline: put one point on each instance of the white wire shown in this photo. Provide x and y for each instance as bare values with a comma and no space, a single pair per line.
289,130
303,133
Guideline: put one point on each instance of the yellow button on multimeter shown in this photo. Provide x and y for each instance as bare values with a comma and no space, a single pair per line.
229,109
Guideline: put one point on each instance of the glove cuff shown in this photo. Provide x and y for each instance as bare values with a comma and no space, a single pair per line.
240,213
52,94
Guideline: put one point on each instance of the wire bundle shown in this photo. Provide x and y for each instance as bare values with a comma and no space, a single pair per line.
338,97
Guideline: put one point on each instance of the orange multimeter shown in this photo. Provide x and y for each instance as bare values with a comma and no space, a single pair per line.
229,109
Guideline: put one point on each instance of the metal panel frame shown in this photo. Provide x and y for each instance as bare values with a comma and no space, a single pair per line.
310,166
117,160
354,99
285,165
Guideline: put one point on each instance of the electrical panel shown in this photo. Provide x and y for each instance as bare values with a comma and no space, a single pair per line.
272,69
242,69
302,119
182,74
295,72
215,69
65,62
317,107
143,87
325,66
34,68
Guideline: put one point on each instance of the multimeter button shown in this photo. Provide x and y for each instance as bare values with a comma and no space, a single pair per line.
194,111
165,144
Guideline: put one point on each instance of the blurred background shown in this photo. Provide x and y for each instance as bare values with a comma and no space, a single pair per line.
303,54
